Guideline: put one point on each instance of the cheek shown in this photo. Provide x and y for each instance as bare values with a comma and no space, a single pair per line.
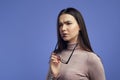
75,32
60,31
75,29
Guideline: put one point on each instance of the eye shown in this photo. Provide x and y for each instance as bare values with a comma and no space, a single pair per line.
68,23
60,24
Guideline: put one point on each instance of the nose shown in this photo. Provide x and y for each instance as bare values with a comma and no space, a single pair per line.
64,27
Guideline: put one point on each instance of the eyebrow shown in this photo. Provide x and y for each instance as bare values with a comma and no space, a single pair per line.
68,21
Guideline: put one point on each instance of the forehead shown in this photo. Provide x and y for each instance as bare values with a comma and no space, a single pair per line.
66,17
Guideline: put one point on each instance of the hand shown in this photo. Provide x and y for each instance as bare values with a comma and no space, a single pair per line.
55,64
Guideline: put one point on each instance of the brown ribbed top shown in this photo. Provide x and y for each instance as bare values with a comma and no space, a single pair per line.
83,65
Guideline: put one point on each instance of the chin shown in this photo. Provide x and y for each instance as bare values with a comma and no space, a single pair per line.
65,39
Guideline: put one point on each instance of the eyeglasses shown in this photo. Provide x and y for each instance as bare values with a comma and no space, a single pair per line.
66,62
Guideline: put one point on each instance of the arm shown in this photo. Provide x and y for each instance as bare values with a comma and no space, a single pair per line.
54,66
95,67
50,76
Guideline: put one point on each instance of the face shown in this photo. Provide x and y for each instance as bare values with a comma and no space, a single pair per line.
68,28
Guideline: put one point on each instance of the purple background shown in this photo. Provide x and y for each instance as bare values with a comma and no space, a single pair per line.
28,35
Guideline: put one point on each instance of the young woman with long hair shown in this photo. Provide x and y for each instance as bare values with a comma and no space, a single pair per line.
73,57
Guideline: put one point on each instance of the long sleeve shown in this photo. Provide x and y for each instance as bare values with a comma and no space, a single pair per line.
95,69
49,76
83,65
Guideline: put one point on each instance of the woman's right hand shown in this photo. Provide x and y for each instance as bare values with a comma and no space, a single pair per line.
55,64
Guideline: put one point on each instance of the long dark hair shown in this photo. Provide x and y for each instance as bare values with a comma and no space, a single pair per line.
83,39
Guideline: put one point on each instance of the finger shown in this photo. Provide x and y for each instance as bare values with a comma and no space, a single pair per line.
54,56
55,61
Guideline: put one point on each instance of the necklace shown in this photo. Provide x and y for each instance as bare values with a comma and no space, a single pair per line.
66,62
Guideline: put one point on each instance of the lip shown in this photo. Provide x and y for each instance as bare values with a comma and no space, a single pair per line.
64,35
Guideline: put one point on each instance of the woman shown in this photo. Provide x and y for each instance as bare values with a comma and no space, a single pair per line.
73,57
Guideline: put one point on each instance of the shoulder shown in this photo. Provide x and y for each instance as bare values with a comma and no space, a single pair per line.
94,61
95,67
93,57
90,56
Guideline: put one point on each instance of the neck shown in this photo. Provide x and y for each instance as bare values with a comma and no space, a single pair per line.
75,42
72,45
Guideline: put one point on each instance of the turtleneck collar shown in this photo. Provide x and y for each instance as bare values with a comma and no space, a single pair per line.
71,46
